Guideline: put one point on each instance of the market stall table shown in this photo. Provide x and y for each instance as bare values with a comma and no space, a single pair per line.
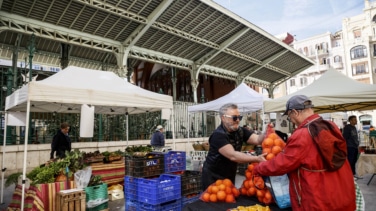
221,206
111,173
366,164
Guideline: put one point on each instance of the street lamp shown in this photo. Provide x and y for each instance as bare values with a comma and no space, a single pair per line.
31,48
202,120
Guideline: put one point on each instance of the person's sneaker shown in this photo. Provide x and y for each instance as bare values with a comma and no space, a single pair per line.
358,177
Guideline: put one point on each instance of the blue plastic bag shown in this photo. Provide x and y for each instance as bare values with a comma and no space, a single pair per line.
279,187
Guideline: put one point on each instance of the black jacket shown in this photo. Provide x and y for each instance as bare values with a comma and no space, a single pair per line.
60,144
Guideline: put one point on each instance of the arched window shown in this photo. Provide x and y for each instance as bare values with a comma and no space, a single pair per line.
374,19
337,59
358,52
306,51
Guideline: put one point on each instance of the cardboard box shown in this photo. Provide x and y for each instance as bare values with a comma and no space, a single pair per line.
115,195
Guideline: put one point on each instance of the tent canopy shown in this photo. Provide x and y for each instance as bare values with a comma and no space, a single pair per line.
247,99
332,92
68,89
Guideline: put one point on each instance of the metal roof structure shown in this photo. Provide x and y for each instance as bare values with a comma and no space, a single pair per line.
199,36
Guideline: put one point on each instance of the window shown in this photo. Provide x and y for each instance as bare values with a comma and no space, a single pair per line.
358,52
337,59
357,33
374,49
306,51
292,82
374,19
358,69
303,81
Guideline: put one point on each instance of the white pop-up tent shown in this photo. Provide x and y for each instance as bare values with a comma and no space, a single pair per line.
247,99
332,92
69,89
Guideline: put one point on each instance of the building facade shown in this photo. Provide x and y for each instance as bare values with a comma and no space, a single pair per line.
351,51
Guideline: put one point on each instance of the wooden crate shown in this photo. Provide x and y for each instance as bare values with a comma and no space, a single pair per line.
71,200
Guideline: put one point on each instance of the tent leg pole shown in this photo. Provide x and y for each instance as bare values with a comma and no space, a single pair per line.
3,162
172,127
126,116
25,153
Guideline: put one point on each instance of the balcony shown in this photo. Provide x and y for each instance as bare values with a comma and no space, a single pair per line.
323,67
323,52
338,65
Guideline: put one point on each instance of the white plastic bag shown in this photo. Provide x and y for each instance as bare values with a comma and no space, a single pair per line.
82,177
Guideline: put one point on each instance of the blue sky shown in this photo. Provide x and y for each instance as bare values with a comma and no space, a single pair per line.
302,18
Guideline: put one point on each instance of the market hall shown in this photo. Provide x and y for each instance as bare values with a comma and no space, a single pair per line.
198,39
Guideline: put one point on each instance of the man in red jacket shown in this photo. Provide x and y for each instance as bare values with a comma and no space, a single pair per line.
315,160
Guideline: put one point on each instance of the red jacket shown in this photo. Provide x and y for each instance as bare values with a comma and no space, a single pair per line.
311,187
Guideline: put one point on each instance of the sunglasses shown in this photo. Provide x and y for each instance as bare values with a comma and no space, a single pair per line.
234,118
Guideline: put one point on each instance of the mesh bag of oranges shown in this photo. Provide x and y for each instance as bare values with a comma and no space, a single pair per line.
278,186
254,186
272,144
220,191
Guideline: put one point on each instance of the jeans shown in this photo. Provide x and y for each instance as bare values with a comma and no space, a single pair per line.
352,156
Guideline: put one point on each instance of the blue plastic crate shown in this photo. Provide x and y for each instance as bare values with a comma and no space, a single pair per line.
173,161
130,187
132,205
189,199
159,190
167,206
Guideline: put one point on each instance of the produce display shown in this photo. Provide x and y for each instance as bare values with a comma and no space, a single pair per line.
58,169
220,191
138,151
61,170
256,207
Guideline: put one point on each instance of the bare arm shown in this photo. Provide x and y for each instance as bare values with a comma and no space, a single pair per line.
256,139
239,157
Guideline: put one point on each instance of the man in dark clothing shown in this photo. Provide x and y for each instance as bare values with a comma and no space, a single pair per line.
225,146
61,142
351,136
158,139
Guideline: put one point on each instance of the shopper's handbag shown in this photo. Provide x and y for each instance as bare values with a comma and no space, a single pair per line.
279,187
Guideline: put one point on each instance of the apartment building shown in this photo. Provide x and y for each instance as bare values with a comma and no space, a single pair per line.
351,51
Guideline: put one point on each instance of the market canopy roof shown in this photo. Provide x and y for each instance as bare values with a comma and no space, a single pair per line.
247,99
332,92
67,90
198,35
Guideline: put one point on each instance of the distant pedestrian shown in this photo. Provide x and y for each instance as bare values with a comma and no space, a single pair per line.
158,139
61,142
350,134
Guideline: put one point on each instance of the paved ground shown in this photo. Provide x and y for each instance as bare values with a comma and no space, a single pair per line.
368,193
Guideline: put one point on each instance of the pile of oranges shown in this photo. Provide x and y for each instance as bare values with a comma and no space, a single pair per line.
272,145
220,191
255,186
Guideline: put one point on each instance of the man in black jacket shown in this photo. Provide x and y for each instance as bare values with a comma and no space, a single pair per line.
61,142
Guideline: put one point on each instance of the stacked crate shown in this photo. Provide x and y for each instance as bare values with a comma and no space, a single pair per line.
150,183
190,187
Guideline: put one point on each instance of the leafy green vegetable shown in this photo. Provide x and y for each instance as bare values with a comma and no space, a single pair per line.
13,179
